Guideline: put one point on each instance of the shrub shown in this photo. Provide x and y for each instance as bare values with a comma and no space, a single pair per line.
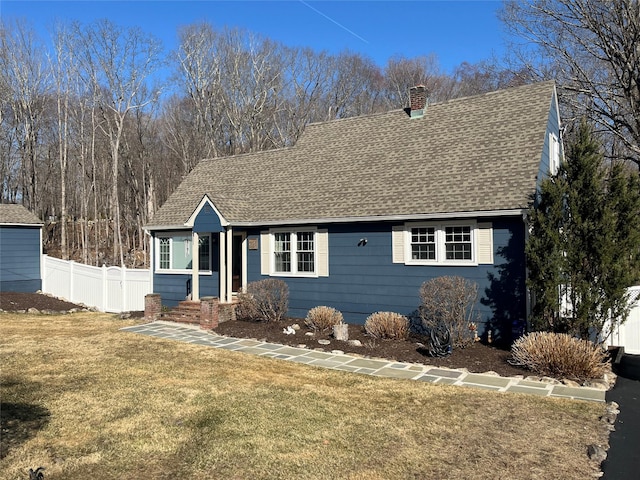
323,318
266,300
387,325
559,355
449,301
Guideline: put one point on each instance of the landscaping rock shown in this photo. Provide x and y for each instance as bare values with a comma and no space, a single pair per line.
337,352
596,453
355,343
295,326
341,331
309,334
570,383
33,310
324,342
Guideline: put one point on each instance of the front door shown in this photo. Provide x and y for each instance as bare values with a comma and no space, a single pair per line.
236,262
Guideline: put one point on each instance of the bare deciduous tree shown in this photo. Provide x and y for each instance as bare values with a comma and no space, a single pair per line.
592,48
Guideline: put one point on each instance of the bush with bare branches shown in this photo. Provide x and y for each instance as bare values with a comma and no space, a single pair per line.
387,325
559,355
449,301
323,318
266,300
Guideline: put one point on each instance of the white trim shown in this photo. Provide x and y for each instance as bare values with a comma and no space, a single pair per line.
229,276
182,271
205,200
294,264
554,153
440,241
10,224
222,274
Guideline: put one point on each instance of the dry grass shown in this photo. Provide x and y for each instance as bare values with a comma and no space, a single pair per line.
98,403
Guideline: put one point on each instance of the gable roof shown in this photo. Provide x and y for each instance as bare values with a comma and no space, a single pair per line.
13,214
473,154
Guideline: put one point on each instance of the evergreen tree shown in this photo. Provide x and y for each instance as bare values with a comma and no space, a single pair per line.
585,242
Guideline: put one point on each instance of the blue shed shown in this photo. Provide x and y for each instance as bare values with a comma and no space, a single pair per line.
361,211
20,249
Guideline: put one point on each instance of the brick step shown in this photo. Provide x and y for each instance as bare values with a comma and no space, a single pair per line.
186,312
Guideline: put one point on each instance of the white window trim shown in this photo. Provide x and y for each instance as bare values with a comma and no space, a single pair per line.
440,243
176,271
294,257
554,153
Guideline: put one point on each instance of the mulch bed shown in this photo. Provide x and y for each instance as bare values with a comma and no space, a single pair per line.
16,301
476,358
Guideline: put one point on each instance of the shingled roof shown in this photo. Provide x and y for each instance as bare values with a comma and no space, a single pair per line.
473,154
13,214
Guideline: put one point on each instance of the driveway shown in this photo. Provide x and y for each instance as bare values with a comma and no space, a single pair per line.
623,459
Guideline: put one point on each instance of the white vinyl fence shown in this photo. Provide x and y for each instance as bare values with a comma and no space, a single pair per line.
109,289
627,335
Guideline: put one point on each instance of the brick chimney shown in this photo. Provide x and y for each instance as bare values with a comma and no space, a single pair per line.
419,100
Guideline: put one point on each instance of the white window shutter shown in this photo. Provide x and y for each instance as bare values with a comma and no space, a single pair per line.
265,253
485,243
322,239
397,243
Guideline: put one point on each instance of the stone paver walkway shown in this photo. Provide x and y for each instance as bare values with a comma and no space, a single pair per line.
338,360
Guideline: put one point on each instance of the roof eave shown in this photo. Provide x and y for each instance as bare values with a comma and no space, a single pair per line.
18,224
386,218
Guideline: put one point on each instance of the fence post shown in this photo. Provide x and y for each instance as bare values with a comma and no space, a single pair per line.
123,288
71,282
105,289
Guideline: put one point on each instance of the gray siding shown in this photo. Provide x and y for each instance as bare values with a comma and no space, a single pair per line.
363,279
20,259
553,126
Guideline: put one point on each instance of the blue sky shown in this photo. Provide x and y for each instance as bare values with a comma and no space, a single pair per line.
455,30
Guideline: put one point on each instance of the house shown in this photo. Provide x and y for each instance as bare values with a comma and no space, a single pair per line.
361,211
20,249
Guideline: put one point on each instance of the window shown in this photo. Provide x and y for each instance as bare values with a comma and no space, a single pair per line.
282,252
165,253
291,253
423,243
444,243
204,252
174,252
305,249
457,243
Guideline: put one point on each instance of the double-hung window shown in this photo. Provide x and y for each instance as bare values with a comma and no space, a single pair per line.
423,243
457,243
294,253
463,242
175,252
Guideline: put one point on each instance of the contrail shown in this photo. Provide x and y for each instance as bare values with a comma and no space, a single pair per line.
333,21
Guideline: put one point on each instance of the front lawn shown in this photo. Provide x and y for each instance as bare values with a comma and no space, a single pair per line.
85,400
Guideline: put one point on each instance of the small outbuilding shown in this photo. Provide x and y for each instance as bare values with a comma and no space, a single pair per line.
20,249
